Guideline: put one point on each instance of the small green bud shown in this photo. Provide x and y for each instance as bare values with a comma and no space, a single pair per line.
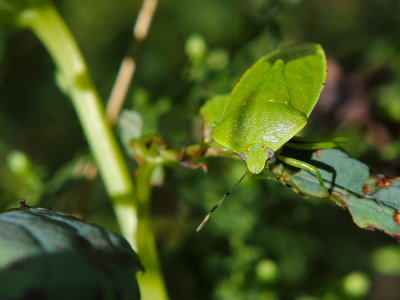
18,163
195,48
386,260
356,284
267,271
217,59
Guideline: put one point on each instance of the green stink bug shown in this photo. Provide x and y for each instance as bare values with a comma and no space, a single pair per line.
268,106
271,103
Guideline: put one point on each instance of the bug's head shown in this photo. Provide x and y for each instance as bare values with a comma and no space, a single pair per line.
255,157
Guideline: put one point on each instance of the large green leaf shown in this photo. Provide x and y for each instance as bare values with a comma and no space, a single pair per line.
50,255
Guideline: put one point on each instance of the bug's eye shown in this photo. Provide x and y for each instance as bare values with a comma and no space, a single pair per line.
243,156
270,153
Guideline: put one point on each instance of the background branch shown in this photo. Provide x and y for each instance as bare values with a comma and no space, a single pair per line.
128,65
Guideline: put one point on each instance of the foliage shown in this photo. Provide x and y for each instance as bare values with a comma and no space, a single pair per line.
265,241
45,253
371,200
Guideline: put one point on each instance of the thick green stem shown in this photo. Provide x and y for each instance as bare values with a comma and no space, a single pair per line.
151,282
73,73
74,78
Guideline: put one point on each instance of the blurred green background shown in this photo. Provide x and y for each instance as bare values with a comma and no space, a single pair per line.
265,242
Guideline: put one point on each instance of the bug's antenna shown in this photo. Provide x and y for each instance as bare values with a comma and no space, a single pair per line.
220,202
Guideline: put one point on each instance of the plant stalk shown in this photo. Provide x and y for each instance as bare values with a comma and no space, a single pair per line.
74,79
152,286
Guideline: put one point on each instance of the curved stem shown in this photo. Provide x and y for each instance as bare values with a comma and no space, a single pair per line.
75,80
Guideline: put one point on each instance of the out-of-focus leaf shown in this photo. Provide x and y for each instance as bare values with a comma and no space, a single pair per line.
7,12
5,6
130,125
32,185
355,285
45,253
196,48
371,200
386,260
217,59
10,10
150,110
389,101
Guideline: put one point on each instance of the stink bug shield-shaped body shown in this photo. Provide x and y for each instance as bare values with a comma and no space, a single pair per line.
268,106
271,103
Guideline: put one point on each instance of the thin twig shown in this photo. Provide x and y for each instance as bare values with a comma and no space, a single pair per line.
128,65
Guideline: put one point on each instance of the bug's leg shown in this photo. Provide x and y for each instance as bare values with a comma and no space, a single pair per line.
282,179
284,183
312,146
336,139
307,143
305,166
220,202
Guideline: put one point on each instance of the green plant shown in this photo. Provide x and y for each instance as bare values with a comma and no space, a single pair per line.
371,200
45,253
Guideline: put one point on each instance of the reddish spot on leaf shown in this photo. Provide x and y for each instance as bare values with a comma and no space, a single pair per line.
318,153
366,188
396,217
370,228
382,181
